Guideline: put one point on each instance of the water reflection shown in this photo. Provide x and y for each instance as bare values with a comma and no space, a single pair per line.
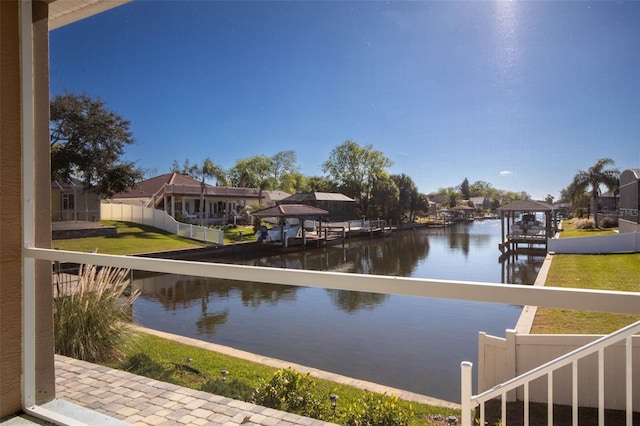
521,266
410,343
397,255
179,292
352,301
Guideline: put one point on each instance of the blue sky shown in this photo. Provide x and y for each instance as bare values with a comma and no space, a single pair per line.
518,94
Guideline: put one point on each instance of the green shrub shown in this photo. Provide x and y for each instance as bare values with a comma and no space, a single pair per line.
235,389
290,391
91,316
377,410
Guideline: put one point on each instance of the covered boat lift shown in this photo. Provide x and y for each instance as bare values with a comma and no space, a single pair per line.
538,234
292,211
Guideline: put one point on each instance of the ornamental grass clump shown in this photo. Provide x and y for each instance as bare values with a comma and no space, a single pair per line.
91,317
584,223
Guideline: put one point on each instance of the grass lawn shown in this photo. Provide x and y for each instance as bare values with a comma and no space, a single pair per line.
169,353
239,234
602,272
569,230
132,238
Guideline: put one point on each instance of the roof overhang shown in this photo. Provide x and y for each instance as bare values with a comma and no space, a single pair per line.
64,12
290,210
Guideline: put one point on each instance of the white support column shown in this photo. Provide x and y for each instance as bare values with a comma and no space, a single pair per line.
466,391
28,207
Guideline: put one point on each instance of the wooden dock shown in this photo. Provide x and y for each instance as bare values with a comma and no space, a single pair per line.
514,242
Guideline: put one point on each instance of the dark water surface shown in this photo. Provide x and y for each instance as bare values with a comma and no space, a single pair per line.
410,343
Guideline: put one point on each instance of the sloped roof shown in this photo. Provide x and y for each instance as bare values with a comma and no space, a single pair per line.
301,197
184,185
629,176
147,188
71,183
526,206
290,210
276,195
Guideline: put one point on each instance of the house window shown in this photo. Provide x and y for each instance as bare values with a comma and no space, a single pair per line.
68,202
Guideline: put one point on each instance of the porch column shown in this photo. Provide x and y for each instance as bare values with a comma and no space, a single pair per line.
11,208
10,211
45,368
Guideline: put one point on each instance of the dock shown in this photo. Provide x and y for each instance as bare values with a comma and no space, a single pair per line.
530,233
515,242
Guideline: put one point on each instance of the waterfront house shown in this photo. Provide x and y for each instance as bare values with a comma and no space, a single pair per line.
187,199
71,201
339,206
481,203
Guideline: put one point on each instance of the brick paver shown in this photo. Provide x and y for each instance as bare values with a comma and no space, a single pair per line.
141,401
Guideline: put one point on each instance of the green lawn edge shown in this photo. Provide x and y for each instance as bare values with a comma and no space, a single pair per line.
133,238
619,272
168,353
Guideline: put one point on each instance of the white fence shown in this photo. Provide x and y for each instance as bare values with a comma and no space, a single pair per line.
616,243
500,360
160,219
598,374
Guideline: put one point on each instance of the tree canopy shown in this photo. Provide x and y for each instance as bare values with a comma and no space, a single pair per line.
593,178
355,170
87,143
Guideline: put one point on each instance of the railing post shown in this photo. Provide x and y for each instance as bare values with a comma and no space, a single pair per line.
466,391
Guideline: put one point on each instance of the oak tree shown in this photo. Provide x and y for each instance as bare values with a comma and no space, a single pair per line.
88,142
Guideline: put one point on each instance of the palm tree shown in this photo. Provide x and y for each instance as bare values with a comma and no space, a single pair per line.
207,169
593,179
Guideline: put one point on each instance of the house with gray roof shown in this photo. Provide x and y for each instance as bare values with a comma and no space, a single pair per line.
339,206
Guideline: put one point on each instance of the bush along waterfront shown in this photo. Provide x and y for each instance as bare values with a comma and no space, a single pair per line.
290,391
285,389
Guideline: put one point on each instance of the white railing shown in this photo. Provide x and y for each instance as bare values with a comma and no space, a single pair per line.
161,220
200,233
555,297
471,402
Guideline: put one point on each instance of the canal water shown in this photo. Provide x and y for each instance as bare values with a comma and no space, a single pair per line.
410,343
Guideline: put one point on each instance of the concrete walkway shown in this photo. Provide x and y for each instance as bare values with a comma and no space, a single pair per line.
142,401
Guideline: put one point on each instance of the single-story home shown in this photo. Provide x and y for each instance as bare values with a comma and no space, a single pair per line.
181,196
481,203
70,201
339,206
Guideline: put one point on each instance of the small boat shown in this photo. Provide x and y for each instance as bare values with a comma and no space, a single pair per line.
277,233
528,225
